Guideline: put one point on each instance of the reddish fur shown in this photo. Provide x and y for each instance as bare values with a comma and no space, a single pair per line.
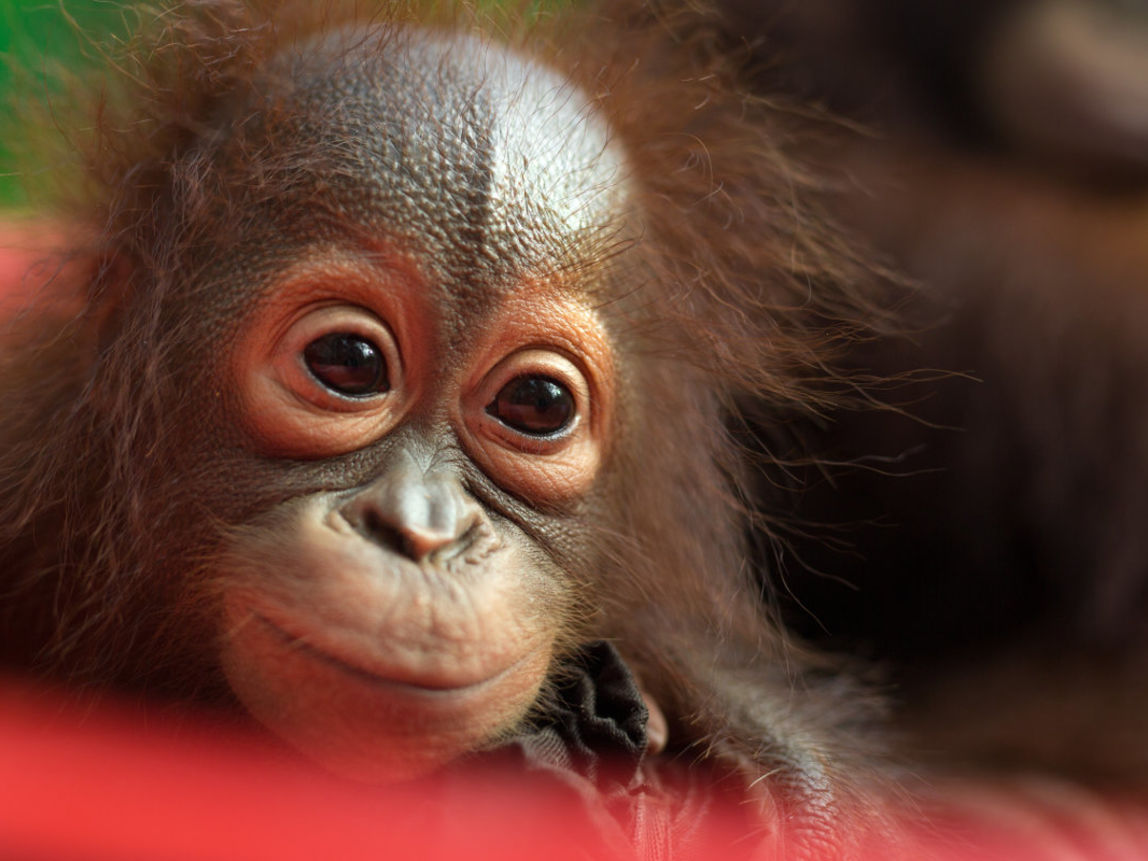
743,287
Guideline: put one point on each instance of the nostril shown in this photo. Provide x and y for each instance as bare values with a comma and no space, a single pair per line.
462,544
372,525
411,515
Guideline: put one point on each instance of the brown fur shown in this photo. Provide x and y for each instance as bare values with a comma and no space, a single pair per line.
741,287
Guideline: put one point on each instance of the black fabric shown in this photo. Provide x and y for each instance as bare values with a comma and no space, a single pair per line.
587,752
597,725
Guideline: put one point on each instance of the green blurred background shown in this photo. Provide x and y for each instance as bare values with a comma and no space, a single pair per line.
36,36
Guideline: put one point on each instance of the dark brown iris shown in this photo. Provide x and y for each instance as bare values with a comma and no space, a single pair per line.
536,406
348,364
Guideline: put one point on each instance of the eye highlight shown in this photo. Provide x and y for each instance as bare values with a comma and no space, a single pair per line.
535,421
535,405
339,359
320,379
347,364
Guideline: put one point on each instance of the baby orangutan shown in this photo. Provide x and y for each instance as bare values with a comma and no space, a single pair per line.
400,378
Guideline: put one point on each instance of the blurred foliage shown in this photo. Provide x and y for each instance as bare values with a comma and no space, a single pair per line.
37,38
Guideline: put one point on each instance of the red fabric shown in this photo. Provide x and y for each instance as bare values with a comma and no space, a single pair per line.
25,260
107,783
110,784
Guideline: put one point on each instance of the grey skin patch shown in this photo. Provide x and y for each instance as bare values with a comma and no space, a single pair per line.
484,165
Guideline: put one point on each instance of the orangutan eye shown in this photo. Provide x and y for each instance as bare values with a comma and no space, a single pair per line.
347,364
535,406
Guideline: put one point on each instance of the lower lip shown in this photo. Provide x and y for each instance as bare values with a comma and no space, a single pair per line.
301,646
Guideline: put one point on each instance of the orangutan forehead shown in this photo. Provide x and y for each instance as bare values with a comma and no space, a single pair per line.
486,166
